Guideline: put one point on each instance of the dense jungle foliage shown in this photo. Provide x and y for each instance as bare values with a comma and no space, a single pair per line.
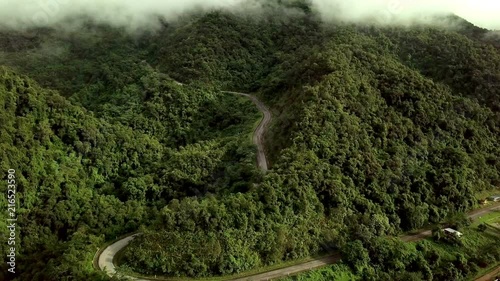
376,131
385,259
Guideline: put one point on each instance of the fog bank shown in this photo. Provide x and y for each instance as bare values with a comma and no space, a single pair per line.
142,14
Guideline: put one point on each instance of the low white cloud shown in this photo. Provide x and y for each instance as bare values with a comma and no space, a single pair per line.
484,13
141,13
127,13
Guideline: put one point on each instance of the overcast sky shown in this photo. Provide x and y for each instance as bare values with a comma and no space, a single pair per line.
138,13
484,13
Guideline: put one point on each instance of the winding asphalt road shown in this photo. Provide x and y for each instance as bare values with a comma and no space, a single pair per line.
335,257
106,257
292,270
105,260
258,134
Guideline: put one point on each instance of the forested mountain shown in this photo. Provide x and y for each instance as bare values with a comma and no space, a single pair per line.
376,130
83,178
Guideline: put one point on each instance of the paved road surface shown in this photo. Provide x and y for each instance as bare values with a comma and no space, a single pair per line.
106,257
258,135
287,271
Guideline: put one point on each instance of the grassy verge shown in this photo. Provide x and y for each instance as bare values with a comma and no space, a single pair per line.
485,194
257,122
474,241
252,120
255,125
117,259
490,218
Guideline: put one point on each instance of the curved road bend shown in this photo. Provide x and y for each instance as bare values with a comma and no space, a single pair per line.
258,134
106,257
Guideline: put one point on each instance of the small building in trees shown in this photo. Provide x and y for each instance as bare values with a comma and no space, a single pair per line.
453,232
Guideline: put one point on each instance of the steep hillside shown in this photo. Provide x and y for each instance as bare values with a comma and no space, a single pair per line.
81,178
382,138
64,158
